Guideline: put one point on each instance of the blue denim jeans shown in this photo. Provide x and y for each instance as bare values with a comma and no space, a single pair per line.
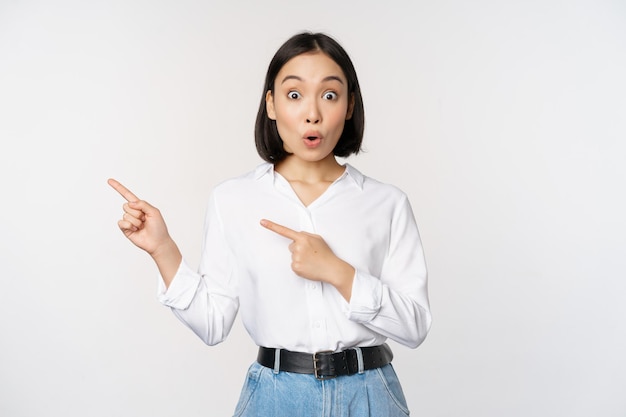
373,393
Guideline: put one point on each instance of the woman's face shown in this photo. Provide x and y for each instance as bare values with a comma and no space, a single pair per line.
310,105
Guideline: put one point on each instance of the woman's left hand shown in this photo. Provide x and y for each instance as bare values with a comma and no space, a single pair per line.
311,258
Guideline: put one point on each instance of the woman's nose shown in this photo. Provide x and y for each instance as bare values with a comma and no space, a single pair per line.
313,114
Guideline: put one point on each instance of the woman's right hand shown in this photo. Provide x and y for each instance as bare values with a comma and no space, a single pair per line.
144,226
141,223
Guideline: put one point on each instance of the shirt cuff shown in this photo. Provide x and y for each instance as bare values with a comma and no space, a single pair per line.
182,289
366,298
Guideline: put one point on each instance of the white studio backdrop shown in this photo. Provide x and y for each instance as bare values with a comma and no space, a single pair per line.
503,121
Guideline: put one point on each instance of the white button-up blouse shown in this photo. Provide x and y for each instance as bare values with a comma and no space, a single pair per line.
247,268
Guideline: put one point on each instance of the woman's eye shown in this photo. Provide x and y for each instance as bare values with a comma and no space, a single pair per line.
294,95
330,95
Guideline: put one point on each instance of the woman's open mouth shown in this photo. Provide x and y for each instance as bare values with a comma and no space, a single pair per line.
312,139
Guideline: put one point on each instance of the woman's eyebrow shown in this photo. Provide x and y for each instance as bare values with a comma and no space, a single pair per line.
291,77
295,77
333,77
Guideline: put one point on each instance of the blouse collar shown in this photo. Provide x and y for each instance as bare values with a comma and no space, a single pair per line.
350,172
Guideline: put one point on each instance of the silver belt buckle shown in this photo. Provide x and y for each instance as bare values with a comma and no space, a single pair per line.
315,368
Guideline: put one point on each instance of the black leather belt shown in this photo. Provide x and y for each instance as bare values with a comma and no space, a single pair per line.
328,364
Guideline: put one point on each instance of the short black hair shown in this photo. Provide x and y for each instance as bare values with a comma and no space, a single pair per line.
269,145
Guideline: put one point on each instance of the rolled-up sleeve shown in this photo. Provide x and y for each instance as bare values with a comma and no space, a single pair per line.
205,301
396,303
182,289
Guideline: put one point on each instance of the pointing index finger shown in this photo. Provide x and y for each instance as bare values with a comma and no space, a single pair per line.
124,192
281,230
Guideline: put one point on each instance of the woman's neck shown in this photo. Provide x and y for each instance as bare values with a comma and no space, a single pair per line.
309,180
309,172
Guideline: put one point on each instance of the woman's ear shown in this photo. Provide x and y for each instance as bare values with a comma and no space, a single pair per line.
350,107
269,105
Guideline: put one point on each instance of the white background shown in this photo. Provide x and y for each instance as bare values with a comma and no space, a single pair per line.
503,121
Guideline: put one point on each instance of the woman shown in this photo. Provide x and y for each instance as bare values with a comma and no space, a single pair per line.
323,263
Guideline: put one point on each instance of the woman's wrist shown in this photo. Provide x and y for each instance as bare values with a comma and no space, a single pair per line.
343,277
168,258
